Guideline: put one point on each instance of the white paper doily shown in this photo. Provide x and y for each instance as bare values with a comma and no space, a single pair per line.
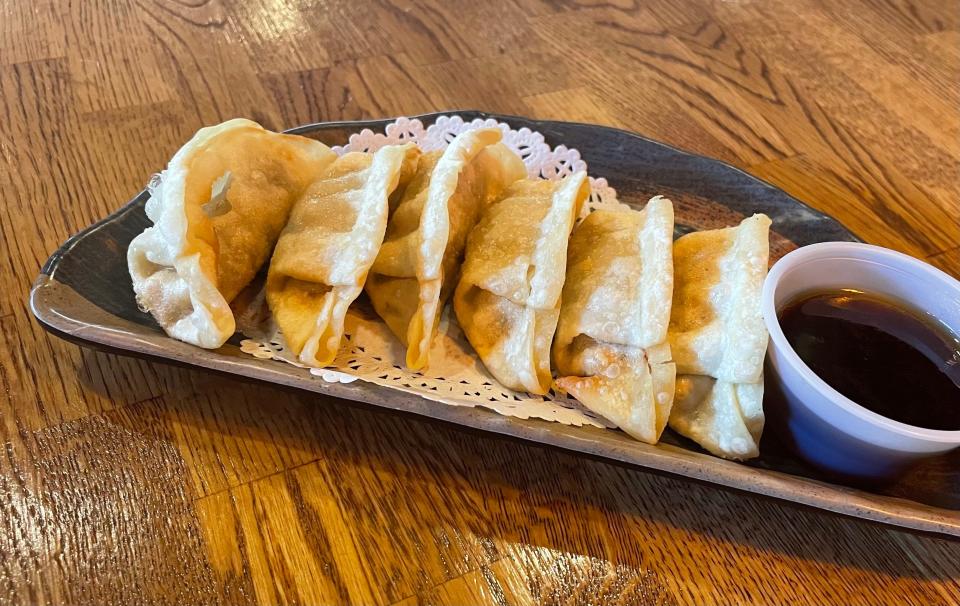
456,376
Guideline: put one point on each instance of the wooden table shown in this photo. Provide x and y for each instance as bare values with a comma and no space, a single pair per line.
127,482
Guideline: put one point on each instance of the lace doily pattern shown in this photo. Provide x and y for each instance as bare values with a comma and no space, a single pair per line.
456,376
541,160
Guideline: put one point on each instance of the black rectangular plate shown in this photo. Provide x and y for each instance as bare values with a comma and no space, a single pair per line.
84,294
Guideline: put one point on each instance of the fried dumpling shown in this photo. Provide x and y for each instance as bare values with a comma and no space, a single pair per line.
719,338
416,269
725,418
217,211
716,328
508,298
327,247
610,349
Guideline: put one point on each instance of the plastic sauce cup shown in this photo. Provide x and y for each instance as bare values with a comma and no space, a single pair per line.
819,423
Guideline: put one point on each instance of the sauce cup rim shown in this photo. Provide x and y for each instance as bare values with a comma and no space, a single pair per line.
855,251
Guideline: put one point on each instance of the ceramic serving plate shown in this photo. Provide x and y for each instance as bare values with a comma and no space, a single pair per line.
84,295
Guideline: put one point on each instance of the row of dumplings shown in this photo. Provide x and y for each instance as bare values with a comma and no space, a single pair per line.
641,330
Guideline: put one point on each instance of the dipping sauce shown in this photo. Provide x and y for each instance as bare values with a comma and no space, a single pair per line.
880,353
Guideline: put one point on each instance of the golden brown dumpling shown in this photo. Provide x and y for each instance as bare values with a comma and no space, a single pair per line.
508,297
217,211
429,220
610,349
719,338
327,247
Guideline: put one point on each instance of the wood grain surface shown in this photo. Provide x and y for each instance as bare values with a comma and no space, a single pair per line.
127,482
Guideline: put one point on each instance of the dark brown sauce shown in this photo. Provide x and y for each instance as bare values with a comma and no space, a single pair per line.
880,353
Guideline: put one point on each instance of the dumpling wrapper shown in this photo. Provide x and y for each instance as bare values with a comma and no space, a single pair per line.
724,418
508,297
610,348
217,211
327,247
416,269
631,387
716,328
